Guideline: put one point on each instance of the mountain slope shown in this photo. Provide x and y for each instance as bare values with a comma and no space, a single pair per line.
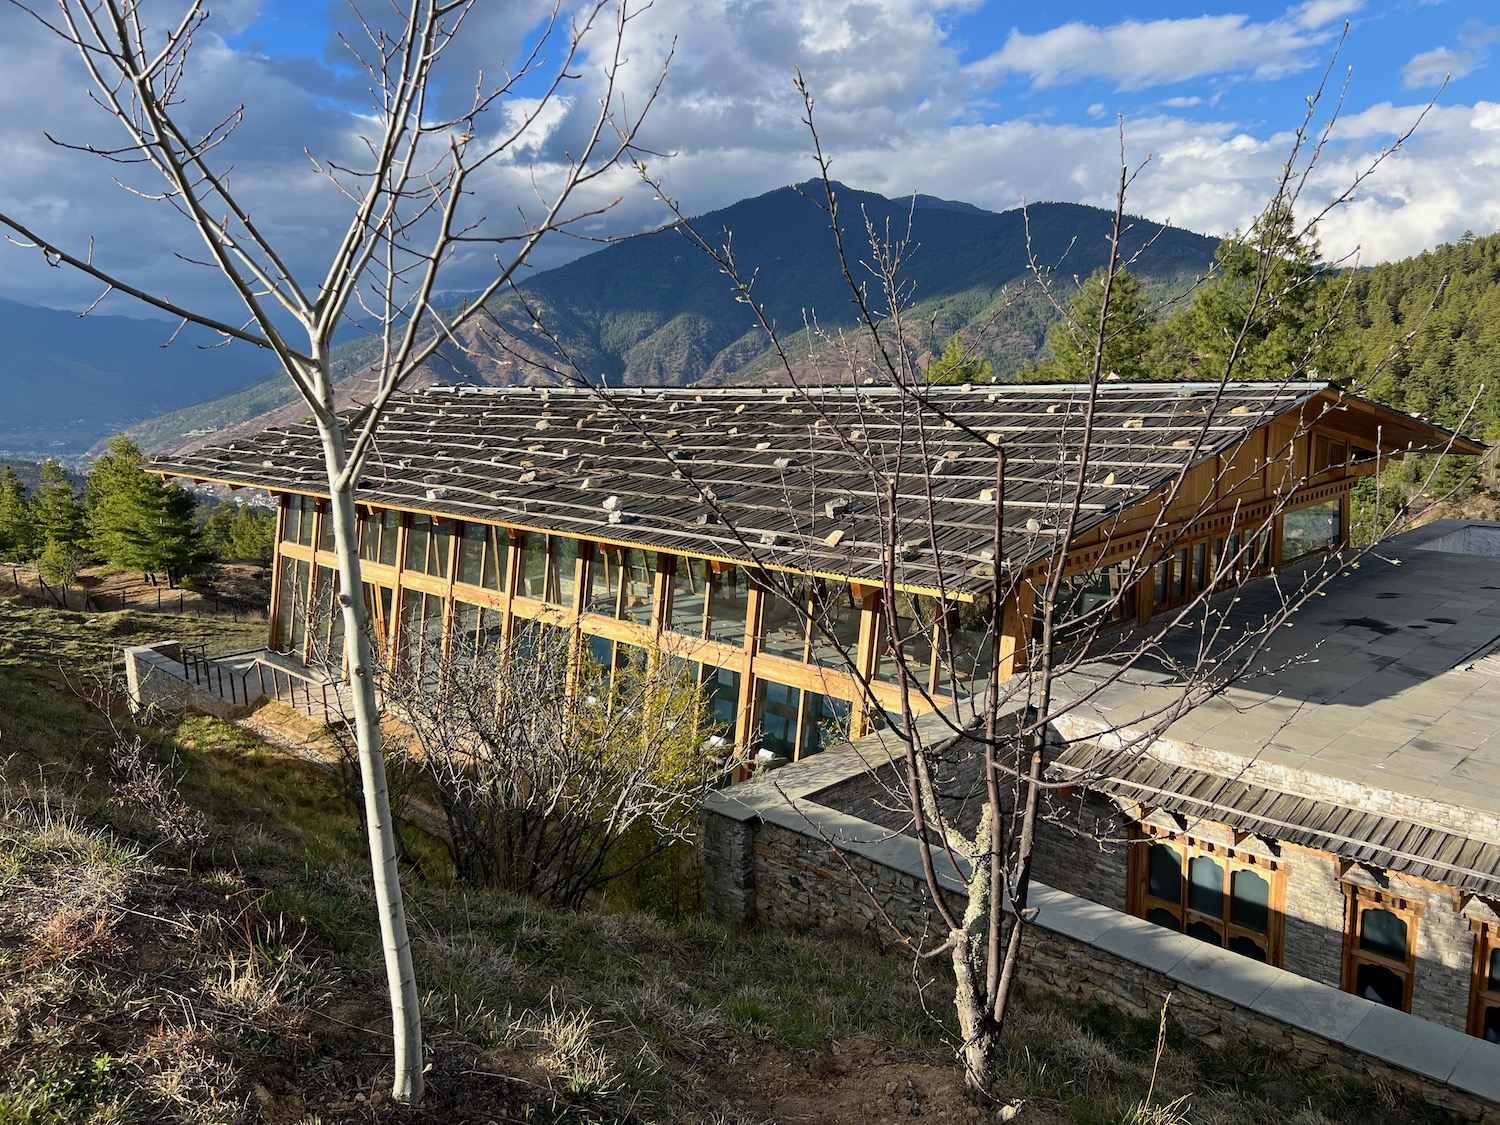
69,379
657,309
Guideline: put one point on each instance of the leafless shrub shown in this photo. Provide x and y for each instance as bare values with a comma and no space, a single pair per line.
546,763
143,783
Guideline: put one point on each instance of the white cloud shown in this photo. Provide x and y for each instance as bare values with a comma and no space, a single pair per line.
1137,55
1182,103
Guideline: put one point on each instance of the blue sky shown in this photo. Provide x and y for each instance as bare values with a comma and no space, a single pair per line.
994,103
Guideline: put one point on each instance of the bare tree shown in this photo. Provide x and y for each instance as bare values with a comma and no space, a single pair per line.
409,217
555,773
1045,635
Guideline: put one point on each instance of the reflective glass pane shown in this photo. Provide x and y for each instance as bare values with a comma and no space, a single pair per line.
1159,575
1206,887
777,704
727,606
496,558
689,596
835,633
1250,901
1309,530
825,724
563,556
1165,879
390,530
784,632
917,617
471,554
604,583
722,688
1179,573
1494,982
972,632
1247,947
1377,983
1384,933
1491,1030
533,567
639,585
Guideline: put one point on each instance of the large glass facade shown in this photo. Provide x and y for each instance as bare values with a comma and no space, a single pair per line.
484,555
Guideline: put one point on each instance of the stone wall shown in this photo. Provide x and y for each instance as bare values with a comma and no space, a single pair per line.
154,678
771,861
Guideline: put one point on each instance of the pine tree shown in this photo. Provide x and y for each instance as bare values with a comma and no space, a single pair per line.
1128,340
1269,311
55,510
959,364
135,521
17,531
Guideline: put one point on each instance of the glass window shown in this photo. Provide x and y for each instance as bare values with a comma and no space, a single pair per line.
390,531
971,633
533,568
325,535
728,603
422,621
1378,947
721,687
427,543
1484,1012
689,608
1179,573
484,552
825,723
1200,557
1214,894
784,620
835,626
1306,531
378,601
562,578
777,705
638,585
918,617
604,582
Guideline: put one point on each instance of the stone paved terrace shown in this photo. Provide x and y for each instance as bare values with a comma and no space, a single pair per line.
1381,681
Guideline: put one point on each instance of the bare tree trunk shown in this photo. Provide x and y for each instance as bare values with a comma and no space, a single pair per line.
406,1018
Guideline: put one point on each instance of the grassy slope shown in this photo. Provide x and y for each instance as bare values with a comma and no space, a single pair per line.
141,983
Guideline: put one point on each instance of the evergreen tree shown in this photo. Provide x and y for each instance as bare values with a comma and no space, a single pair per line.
57,516
135,521
1129,337
1269,311
959,364
17,531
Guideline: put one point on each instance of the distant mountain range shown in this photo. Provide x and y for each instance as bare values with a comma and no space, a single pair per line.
657,310
69,380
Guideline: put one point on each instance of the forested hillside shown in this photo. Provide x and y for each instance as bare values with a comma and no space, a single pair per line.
1427,334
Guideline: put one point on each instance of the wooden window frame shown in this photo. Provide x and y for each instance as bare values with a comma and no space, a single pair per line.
1140,901
1481,995
1359,900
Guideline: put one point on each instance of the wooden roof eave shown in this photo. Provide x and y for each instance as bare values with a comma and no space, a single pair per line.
1382,428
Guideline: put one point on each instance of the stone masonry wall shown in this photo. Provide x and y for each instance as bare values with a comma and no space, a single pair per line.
786,876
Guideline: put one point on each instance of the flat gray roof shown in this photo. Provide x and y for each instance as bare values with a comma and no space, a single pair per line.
1376,696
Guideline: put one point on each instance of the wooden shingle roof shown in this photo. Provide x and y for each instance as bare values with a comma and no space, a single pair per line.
791,479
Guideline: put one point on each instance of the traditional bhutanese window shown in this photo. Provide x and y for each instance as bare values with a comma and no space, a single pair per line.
1484,1008
1380,945
1306,531
427,543
484,555
1210,892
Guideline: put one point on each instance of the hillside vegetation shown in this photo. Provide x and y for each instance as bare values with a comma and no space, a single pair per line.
196,944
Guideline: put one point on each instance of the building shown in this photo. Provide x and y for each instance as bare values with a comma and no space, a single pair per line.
753,533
